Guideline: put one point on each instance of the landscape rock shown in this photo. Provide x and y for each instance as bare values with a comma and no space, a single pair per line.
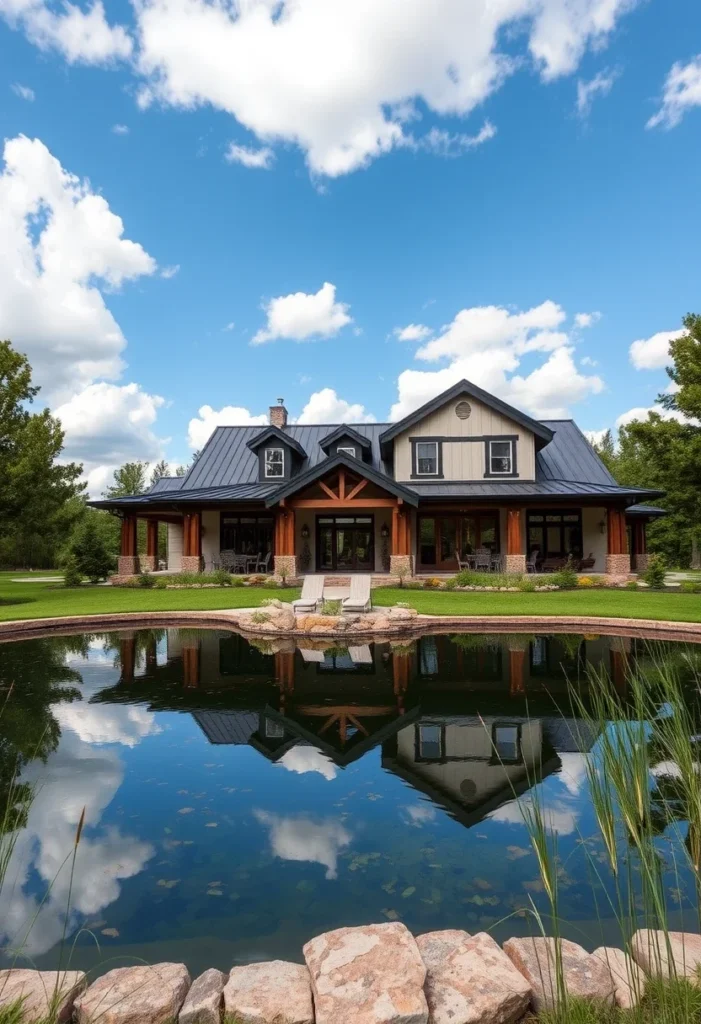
469,980
135,995
676,954
628,979
584,975
41,991
203,1002
269,993
368,975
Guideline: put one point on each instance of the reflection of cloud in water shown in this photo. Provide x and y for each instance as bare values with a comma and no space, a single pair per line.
573,774
298,837
302,759
99,723
558,815
75,776
418,814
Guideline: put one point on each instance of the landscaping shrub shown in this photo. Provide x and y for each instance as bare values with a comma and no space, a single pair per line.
526,585
260,617
90,552
449,584
655,573
469,578
235,581
222,577
432,583
566,578
72,576
631,585
331,607
689,587
145,579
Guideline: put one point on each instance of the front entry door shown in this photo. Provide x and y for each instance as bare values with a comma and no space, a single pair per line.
345,544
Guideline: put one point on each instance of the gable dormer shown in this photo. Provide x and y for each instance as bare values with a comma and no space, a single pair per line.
279,455
464,435
345,440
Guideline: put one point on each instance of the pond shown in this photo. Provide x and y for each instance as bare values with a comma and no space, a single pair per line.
240,800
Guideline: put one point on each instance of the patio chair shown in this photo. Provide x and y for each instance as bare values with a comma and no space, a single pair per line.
553,564
465,563
483,560
312,594
586,563
532,562
311,657
227,557
359,597
263,564
496,563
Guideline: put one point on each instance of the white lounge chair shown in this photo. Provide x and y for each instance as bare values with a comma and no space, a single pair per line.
311,656
312,594
359,598
360,655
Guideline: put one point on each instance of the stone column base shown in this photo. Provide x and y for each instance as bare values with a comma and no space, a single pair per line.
191,563
128,565
401,565
640,562
618,565
285,566
148,563
515,563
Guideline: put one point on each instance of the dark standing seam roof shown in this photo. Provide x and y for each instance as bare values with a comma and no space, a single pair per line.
569,456
235,727
167,483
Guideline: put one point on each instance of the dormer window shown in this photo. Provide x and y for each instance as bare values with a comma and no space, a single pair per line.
426,458
501,458
348,451
274,462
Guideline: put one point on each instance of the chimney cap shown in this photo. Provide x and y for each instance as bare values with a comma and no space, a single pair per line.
280,401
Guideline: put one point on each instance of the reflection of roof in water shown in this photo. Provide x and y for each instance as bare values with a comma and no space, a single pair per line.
233,727
570,735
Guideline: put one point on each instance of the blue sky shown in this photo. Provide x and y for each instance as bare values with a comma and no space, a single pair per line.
429,170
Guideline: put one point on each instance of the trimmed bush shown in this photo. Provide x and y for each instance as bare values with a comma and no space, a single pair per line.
146,580
656,571
72,576
222,577
526,585
689,587
91,556
566,578
331,607
432,583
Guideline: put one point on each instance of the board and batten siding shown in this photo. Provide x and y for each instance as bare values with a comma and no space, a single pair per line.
465,460
175,547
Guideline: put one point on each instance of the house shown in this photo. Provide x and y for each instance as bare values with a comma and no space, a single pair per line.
464,473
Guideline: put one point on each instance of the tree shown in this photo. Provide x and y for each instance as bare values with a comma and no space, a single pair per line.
128,479
37,492
159,471
89,552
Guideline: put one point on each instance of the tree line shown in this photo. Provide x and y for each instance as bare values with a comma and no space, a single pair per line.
43,511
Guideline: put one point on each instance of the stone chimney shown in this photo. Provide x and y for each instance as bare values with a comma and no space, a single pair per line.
278,414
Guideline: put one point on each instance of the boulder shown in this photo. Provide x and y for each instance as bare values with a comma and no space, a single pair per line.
628,979
469,980
41,992
674,954
402,613
584,976
269,993
367,975
379,623
204,1000
135,995
284,617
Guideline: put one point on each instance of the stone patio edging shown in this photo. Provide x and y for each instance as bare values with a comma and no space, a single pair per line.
660,629
371,974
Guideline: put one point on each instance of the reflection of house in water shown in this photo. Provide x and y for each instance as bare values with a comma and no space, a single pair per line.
469,721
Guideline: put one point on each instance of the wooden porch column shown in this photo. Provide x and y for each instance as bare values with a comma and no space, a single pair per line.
192,542
151,655
149,563
191,666
400,561
128,563
515,560
285,558
127,658
517,684
639,560
617,559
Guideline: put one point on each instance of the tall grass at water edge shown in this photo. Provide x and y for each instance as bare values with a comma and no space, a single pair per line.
645,787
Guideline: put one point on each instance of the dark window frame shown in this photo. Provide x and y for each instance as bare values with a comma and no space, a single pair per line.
261,520
505,724
543,525
513,472
267,463
415,442
320,524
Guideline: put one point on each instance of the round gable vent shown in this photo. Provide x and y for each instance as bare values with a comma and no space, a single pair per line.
463,410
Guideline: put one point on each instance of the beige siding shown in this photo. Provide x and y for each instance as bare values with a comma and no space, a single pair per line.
175,546
465,460
210,537
594,542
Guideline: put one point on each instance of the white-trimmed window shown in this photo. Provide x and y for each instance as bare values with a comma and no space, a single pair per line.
426,458
274,462
501,457
348,451
430,742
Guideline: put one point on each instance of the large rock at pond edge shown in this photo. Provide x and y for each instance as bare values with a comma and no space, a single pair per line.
41,991
469,980
135,995
367,975
203,1002
269,993
677,953
628,979
584,976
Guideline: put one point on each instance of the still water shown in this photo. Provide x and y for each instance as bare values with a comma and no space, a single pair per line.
240,800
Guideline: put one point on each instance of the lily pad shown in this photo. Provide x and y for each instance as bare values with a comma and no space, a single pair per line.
186,810
167,883
112,933
409,891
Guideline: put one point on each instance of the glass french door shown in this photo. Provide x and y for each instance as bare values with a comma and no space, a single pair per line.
442,538
345,544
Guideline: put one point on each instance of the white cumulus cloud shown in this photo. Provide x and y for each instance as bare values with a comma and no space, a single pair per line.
343,79
303,759
586,319
61,247
80,36
261,159
652,353
413,332
301,316
202,426
681,92
300,838
326,407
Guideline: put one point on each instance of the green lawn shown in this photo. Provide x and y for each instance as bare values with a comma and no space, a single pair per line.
49,600
610,603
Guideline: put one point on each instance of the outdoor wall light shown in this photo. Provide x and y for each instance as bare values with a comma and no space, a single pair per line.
305,532
385,530
602,526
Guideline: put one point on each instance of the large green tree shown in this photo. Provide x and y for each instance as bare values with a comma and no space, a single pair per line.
131,478
666,453
39,494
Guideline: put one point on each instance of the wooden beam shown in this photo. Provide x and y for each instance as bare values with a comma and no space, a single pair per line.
191,667
342,483
327,490
517,661
323,503
357,489
128,539
394,549
152,537
127,659
514,537
616,532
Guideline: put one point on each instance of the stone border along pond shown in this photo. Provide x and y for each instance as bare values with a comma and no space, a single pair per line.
376,974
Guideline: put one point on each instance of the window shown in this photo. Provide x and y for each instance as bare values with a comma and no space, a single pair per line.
506,740
246,535
427,458
430,742
274,462
274,730
348,451
500,457
555,534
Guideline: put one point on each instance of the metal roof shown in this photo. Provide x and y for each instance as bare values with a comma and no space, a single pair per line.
518,489
350,462
650,511
167,483
569,456
234,727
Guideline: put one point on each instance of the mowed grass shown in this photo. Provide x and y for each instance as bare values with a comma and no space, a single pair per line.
51,600
617,604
